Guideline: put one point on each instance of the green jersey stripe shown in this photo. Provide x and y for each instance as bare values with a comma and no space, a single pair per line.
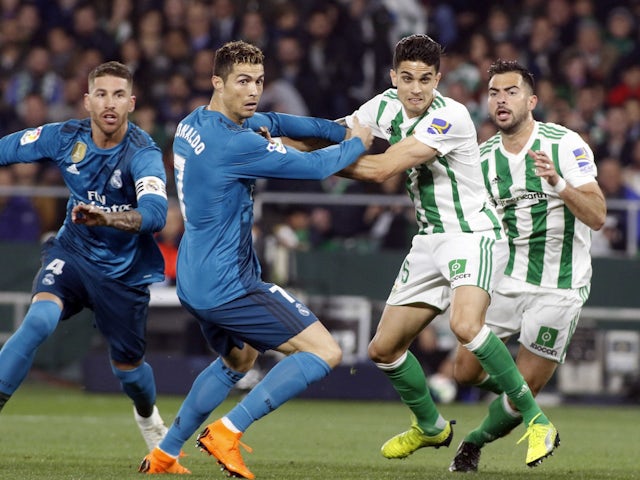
537,243
464,225
565,273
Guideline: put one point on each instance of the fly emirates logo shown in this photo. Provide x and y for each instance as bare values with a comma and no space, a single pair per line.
192,137
99,201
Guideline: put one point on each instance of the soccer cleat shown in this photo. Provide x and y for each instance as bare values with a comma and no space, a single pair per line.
152,428
220,442
159,462
543,439
404,444
467,458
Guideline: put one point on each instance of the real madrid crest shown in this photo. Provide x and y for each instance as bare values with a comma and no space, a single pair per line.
116,179
78,152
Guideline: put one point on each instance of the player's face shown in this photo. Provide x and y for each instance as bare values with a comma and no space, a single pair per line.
415,82
241,92
510,101
109,103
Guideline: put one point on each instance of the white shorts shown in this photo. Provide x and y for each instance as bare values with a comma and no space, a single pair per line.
545,317
438,263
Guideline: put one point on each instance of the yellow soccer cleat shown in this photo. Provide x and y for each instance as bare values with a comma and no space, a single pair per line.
404,444
159,462
543,440
220,442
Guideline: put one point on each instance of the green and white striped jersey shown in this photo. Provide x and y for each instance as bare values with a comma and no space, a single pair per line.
548,246
448,194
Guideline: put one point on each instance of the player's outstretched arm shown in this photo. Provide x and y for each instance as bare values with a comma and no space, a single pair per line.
94,216
399,157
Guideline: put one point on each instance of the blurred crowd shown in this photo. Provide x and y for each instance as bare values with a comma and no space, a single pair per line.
324,58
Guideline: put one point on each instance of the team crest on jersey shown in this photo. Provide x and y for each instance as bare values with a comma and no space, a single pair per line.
439,125
78,152
584,163
116,179
302,310
30,136
276,145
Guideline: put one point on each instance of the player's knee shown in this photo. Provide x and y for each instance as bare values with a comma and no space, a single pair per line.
379,354
41,319
466,371
332,354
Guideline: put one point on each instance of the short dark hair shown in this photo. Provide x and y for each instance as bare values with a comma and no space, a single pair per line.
418,48
506,66
232,53
111,69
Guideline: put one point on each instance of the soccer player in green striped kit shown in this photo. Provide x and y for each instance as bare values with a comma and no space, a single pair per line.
457,256
541,176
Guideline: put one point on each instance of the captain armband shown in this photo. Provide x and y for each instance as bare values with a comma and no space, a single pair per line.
150,185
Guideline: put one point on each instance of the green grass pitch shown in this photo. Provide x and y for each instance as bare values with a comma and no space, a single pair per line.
57,433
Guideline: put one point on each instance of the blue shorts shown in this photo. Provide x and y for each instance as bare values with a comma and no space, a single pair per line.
120,310
264,318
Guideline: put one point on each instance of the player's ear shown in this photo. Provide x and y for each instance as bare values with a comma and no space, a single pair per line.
394,77
217,82
132,103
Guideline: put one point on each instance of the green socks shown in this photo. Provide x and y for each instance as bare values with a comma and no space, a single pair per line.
497,361
408,378
498,423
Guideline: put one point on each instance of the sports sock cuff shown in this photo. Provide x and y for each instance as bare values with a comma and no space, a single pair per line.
393,365
479,339
507,407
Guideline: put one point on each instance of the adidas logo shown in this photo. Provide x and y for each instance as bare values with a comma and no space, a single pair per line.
73,169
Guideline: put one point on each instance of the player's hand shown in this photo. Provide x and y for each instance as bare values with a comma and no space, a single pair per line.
264,131
362,132
544,167
89,215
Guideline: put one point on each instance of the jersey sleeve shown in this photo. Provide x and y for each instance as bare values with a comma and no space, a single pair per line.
294,126
445,129
30,145
367,115
255,157
577,164
150,181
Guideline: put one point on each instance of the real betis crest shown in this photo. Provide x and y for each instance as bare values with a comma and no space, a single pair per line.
78,152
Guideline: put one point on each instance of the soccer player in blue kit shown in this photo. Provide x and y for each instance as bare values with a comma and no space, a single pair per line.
104,257
218,156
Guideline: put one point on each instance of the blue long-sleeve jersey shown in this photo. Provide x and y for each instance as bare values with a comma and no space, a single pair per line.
128,176
216,165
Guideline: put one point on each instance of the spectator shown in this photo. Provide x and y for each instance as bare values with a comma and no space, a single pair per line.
629,84
616,141
611,181
36,76
88,31
225,22
198,26
19,217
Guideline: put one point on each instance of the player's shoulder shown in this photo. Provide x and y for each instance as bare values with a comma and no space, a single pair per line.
489,145
73,127
139,139
554,131
452,107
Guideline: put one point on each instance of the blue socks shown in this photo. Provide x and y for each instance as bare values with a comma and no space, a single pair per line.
208,391
285,380
140,386
16,357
